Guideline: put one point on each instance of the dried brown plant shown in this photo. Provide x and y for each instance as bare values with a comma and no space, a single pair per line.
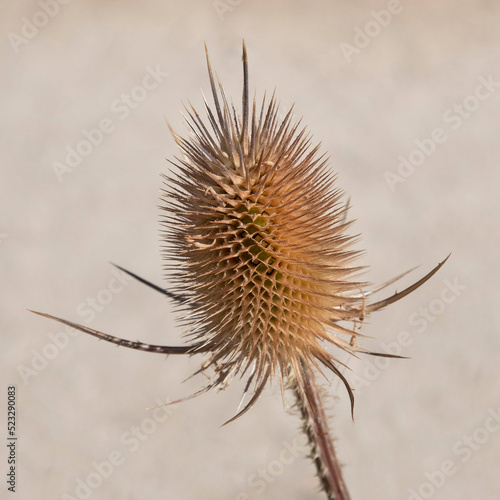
257,241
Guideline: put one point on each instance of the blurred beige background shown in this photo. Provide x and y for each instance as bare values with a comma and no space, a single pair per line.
373,81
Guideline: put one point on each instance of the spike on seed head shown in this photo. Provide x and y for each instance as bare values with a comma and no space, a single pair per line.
257,230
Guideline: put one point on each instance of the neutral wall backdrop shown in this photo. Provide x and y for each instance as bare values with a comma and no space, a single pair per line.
371,100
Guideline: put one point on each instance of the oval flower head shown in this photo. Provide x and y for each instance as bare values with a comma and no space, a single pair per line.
258,234
256,229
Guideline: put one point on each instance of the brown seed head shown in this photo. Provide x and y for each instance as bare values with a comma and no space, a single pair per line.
258,233
257,229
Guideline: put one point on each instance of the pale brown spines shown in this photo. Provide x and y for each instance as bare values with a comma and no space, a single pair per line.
257,229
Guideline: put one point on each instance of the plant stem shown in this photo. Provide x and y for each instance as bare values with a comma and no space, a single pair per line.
315,426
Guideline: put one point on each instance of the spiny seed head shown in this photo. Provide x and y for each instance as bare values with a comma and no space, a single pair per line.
263,265
257,231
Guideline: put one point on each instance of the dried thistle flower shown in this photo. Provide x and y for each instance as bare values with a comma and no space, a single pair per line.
257,229
263,262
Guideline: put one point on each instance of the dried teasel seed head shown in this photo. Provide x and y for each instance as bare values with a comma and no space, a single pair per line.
256,228
257,231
